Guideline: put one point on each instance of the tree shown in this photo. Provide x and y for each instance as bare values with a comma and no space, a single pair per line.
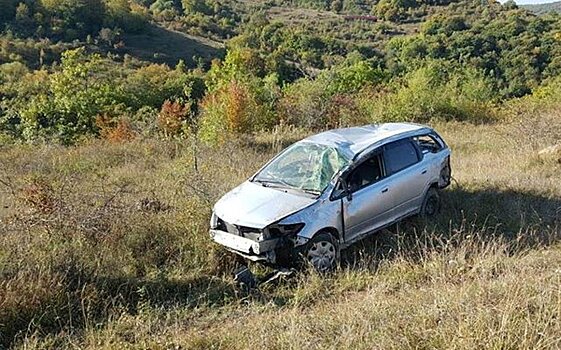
351,75
119,14
153,84
75,95
239,63
394,10
197,6
337,5
23,19
8,10
76,17
233,108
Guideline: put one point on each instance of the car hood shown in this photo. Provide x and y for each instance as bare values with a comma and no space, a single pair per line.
256,206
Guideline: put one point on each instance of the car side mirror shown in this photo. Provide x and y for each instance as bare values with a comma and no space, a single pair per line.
349,195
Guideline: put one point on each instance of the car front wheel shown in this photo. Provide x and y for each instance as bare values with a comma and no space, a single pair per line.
322,252
431,204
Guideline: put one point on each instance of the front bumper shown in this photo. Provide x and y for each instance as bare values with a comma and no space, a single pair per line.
248,248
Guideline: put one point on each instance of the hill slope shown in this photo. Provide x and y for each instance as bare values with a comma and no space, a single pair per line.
106,246
119,129
541,9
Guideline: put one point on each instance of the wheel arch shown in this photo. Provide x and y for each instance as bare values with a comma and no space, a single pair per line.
331,230
434,185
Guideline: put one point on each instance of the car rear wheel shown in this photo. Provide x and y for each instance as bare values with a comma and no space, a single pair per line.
431,204
322,252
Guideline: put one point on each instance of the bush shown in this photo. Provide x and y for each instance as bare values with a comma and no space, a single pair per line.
121,14
344,111
431,92
353,74
115,131
74,18
153,84
305,104
238,64
174,117
233,109
327,100
394,10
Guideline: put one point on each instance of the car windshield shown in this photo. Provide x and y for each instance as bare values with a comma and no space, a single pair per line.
305,166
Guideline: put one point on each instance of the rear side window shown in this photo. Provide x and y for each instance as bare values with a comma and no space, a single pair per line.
399,155
428,143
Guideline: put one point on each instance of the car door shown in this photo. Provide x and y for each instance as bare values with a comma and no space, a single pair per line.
409,176
369,204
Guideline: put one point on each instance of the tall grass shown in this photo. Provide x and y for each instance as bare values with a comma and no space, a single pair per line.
105,245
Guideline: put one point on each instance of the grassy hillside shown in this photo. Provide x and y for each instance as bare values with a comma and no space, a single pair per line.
161,45
541,9
122,122
105,245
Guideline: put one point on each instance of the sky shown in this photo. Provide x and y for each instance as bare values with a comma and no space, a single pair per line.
526,2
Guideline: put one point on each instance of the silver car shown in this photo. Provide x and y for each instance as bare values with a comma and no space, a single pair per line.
327,191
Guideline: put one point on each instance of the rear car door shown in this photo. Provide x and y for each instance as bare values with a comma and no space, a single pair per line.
369,205
409,176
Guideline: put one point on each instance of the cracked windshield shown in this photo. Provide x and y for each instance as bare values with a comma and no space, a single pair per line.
305,166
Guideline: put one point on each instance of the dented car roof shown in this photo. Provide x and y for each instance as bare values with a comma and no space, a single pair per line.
353,141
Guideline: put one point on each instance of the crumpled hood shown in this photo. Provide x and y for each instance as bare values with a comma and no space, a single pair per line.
253,205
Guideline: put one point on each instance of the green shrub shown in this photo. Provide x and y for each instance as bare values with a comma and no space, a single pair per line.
433,93
327,100
352,75
153,84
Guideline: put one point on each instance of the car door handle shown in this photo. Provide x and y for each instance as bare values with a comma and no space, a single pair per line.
385,190
424,171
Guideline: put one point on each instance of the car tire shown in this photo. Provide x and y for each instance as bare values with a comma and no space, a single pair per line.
431,204
445,176
322,252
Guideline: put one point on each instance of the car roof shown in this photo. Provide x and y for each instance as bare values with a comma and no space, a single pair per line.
354,140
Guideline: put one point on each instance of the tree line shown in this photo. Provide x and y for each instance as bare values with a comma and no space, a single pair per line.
463,63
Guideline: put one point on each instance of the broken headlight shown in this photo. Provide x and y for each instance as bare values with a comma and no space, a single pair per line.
278,230
217,223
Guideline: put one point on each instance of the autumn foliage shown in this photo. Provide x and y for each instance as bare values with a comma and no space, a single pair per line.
115,131
234,108
172,117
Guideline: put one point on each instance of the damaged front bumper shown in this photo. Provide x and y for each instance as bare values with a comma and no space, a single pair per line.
274,251
255,251
275,244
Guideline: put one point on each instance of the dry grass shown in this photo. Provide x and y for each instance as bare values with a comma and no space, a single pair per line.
105,246
164,45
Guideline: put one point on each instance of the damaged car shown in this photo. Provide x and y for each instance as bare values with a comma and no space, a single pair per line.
327,191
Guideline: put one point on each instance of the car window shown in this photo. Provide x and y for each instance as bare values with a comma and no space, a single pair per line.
399,155
365,174
428,144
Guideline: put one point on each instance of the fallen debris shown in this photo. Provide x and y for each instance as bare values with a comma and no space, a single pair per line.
151,205
247,280
551,153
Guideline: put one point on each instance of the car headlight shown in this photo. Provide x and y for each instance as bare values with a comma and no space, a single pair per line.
279,230
213,220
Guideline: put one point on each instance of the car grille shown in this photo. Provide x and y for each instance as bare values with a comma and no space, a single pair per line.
243,231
